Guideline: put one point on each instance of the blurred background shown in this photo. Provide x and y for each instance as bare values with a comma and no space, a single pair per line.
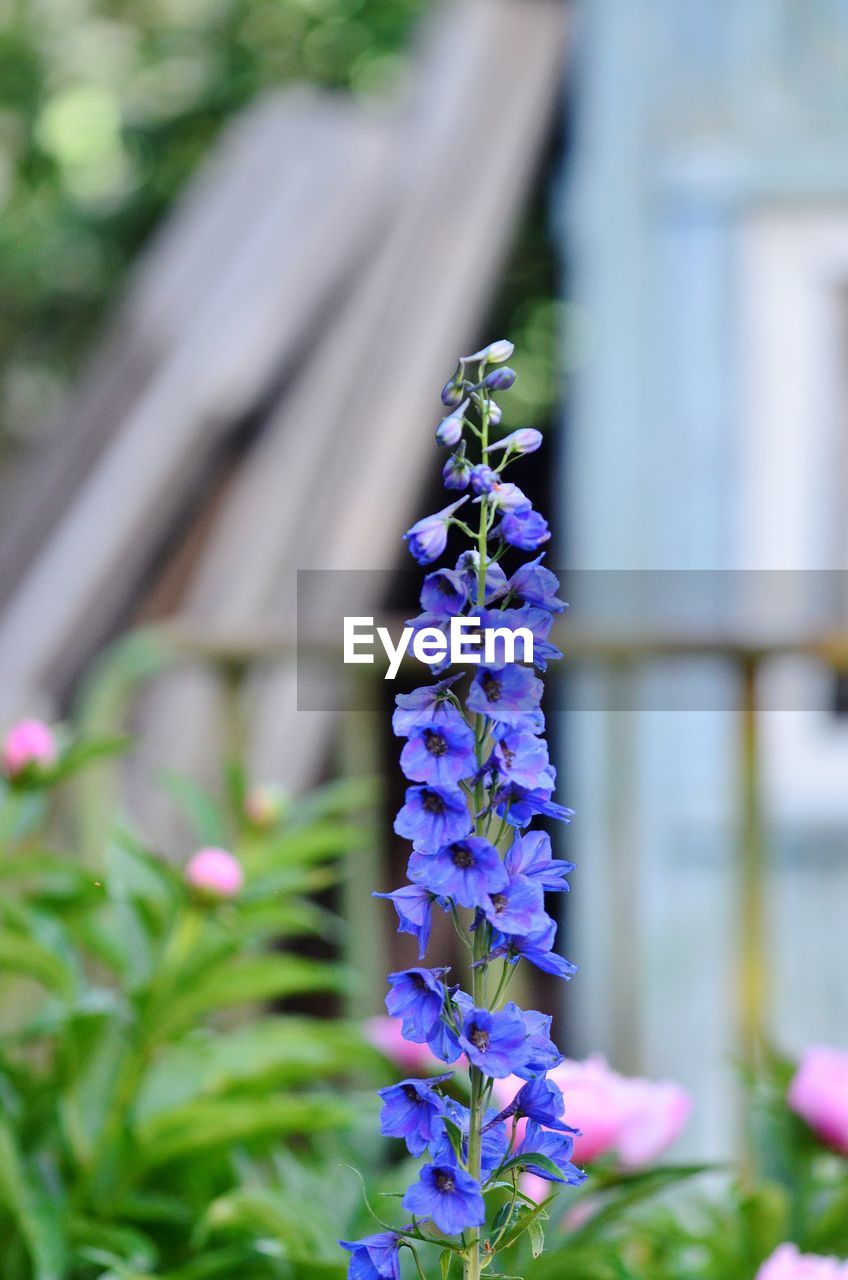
242,244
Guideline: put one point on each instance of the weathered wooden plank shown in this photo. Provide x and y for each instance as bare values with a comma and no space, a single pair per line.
338,474
171,283
283,262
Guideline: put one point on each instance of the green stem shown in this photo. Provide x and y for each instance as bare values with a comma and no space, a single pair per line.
472,1267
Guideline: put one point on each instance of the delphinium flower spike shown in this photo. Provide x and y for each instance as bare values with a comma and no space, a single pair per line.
479,774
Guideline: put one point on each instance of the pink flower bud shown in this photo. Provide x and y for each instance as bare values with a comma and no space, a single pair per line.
215,873
786,1263
819,1094
263,805
30,742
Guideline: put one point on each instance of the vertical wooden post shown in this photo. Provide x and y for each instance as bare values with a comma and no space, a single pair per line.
624,876
367,920
752,992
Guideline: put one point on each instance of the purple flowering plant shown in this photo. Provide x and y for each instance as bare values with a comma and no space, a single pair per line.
479,774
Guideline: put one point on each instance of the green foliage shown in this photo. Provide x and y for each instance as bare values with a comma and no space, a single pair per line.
157,1118
105,109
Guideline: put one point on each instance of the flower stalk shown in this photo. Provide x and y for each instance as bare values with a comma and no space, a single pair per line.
479,774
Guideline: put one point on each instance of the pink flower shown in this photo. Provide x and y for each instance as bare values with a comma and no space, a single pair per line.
30,742
819,1094
637,1119
788,1264
263,805
385,1035
215,873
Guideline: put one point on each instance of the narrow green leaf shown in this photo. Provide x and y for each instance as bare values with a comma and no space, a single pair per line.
537,1238
37,1219
536,1160
207,1124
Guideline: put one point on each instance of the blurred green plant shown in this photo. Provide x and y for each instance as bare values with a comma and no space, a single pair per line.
156,1117
105,109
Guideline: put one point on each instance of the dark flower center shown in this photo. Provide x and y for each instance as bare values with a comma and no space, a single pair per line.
431,803
410,1092
508,756
480,1039
462,856
445,1182
435,743
492,688
499,901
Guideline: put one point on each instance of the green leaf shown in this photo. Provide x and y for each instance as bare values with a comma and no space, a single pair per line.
199,807
35,1215
277,1051
24,955
537,1160
88,751
445,1259
246,981
537,1238
206,1124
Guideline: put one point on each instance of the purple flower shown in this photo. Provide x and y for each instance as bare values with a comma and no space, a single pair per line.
449,430
495,353
519,907
530,855
494,1145
428,537
508,497
536,947
525,440
518,805
413,1110
443,1042
452,393
505,694
482,478
521,757
448,1197
456,472
523,528
427,705
467,870
444,592
557,1147
541,1100
537,585
414,907
416,996
496,584
494,1042
374,1257
433,817
439,754
500,379
542,1054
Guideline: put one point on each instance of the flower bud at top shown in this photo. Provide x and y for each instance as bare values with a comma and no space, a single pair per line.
500,379
456,472
525,440
452,392
482,479
215,873
449,430
28,743
495,353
